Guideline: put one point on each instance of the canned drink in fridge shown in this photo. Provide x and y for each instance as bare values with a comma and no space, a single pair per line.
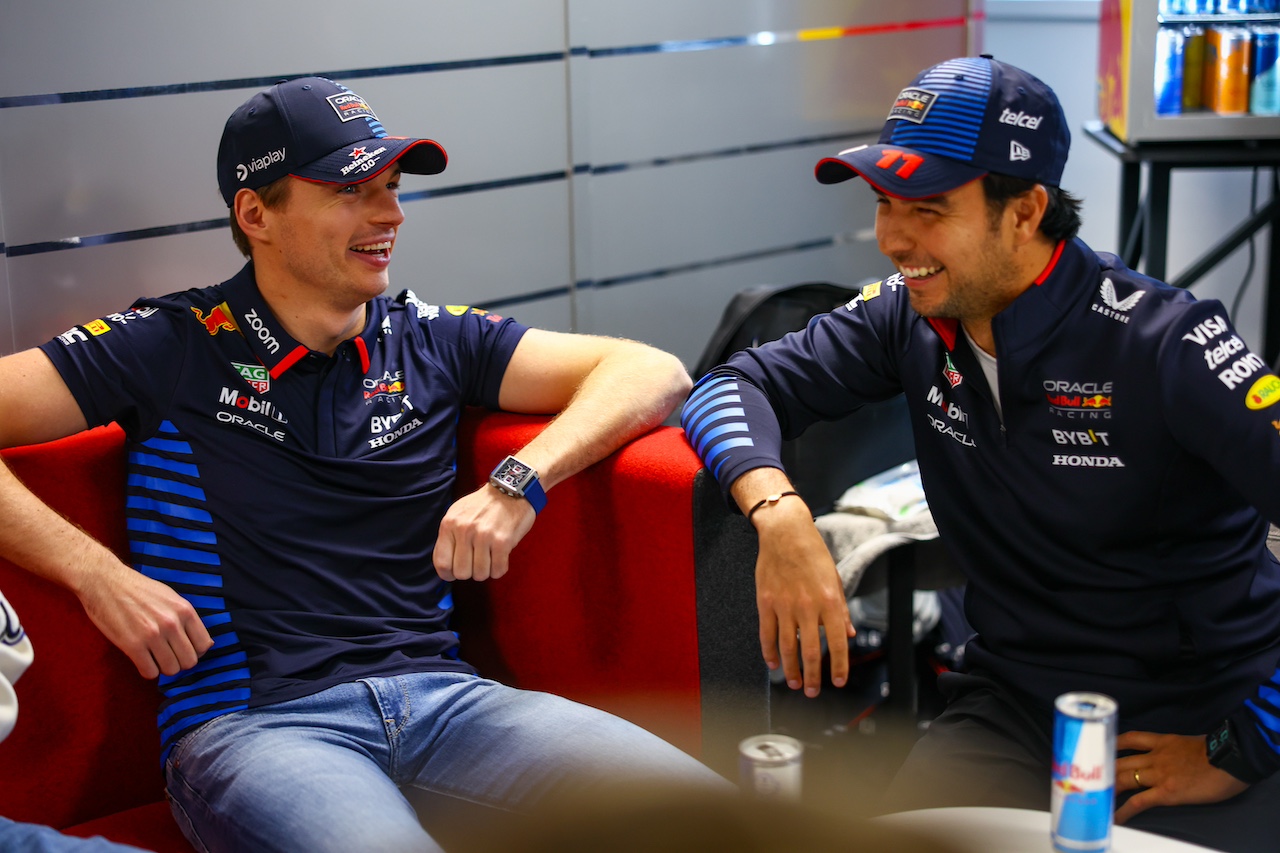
1226,70
1192,69
770,766
1084,772
1170,42
1264,91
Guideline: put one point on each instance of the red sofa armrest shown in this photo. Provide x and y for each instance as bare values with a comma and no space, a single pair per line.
85,745
633,592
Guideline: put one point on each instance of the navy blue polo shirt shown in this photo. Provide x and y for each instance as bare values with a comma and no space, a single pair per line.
293,497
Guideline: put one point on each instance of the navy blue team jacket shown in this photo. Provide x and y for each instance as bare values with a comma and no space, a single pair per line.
1111,522
292,497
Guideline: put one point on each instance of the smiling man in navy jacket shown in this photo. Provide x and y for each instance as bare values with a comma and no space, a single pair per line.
1100,452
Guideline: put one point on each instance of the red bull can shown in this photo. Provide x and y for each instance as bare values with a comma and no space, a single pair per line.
1084,772
770,766
1264,91
1170,49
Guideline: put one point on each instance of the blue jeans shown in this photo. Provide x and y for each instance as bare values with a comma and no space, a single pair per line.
32,838
326,772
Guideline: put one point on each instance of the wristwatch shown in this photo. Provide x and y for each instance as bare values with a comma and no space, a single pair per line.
1224,753
513,477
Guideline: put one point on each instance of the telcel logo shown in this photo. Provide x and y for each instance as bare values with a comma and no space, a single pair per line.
1020,119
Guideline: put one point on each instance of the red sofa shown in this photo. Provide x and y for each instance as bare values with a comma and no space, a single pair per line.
633,593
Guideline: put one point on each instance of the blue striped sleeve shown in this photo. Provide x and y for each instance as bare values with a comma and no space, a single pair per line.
1257,726
729,423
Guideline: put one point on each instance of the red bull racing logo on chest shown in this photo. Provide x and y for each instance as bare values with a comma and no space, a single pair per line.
1079,400
390,385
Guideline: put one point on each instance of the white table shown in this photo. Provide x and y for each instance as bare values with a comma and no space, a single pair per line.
993,830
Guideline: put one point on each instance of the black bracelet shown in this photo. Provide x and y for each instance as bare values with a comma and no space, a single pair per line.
771,499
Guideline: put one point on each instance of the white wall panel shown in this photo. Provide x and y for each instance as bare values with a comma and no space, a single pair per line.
613,23
679,313
57,290
646,219
495,122
7,327
110,166
670,104
482,247
552,314
53,46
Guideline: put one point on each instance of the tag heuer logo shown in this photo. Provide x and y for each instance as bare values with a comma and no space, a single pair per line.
952,375
255,374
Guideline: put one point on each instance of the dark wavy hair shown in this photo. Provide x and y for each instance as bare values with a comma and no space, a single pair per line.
1061,218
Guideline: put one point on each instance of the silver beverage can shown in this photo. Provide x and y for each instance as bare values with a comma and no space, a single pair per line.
770,766
1084,772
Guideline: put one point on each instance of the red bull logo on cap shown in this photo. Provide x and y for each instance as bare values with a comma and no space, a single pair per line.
912,104
349,106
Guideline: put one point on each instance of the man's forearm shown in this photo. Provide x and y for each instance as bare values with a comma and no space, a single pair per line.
629,391
40,540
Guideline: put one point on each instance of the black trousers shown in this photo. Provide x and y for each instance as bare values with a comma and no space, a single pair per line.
988,749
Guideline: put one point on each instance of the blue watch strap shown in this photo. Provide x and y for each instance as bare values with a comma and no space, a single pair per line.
536,495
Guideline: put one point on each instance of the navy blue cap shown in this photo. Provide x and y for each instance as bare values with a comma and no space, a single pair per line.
956,122
317,130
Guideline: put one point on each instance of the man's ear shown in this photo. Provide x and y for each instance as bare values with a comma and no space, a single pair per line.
251,214
1028,210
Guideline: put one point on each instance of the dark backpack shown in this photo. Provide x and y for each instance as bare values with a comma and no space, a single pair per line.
830,456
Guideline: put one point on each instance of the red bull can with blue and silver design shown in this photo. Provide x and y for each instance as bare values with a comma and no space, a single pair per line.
1084,772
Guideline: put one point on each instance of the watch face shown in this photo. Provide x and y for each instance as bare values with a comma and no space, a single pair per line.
513,474
1220,742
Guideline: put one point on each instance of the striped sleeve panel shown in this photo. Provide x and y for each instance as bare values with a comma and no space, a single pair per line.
172,540
730,425
1265,710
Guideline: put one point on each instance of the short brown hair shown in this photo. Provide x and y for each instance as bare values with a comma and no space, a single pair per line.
1061,217
273,196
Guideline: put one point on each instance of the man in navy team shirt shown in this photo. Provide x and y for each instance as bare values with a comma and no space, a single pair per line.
291,451
1099,451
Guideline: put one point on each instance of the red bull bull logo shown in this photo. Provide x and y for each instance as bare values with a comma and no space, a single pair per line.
218,319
